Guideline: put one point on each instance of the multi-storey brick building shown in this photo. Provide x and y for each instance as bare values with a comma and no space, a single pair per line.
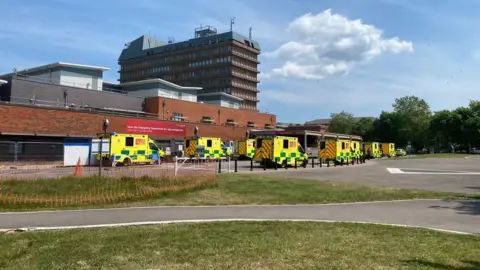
222,64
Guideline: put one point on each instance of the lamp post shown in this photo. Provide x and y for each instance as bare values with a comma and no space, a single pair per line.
164,102
103,134
219,121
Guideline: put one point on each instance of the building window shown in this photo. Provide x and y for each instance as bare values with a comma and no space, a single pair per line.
250,124
207,119
230,122
177,117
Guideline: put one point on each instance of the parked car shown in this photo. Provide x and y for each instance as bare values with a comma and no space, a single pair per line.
400,152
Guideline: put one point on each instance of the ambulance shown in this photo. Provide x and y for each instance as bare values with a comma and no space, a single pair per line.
280,150
373,148
128,149
388,149
205,147
356,150
338,151
245,148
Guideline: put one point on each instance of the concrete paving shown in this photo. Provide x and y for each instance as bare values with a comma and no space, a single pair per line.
461,216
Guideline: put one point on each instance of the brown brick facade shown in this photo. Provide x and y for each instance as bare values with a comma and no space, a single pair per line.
194,111
43,121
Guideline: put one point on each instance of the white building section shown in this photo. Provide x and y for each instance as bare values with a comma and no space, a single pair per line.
68,74
221,99
156,88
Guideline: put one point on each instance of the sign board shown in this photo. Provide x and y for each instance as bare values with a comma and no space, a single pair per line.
140,126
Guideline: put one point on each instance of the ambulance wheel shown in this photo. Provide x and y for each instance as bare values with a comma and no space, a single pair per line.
127,162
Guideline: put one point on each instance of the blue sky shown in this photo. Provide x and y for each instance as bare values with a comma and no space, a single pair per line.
317,57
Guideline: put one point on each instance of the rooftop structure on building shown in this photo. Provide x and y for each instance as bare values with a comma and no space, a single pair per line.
225,65
68,74
91,78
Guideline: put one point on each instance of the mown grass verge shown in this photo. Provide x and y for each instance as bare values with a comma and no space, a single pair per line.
241,245
235,189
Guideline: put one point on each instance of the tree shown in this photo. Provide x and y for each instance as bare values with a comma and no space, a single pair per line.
385,128
364,127
342,122
413,114
442,126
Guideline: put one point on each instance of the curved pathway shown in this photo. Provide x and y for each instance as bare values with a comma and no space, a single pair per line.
459,216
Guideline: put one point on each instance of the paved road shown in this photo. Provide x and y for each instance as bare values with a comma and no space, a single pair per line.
463,216
375,173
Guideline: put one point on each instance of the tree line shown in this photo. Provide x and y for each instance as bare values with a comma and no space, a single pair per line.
411,120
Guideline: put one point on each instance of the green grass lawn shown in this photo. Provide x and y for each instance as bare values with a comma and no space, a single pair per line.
439,155
241,245
255,189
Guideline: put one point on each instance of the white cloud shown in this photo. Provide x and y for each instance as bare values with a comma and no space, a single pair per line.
327,44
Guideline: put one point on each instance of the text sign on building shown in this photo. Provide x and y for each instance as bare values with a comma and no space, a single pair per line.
155,127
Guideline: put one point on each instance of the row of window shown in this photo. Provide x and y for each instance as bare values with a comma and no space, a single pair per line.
156,69
189,56
200,63
244,63
205,72
241,71
248,105
244,83
245,53
244,94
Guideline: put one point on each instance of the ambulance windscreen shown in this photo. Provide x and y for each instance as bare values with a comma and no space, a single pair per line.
259,143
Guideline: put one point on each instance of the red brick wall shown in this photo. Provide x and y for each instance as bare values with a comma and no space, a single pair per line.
194,112
22,119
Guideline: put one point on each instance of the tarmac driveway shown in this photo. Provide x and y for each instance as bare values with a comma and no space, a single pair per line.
436,174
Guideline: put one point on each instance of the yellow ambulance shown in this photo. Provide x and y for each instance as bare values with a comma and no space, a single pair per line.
128,149
388,149
356,150
335,150
281,150
205,147
372,149
245,148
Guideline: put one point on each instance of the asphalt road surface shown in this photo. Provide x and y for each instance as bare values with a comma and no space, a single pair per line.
375,173
461,216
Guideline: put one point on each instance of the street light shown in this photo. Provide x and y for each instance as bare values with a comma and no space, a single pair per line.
104,133
163,106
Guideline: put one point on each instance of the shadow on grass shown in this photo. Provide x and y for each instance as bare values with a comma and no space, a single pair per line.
469,265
